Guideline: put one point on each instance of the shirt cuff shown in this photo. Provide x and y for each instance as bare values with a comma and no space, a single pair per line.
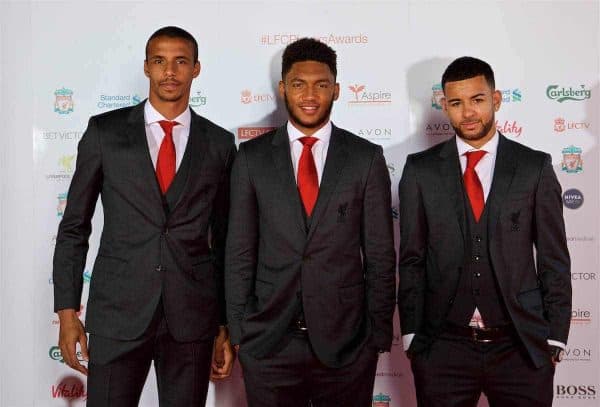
557,343
406,341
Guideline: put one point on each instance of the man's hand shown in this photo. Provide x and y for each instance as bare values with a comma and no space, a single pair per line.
223,356
71,332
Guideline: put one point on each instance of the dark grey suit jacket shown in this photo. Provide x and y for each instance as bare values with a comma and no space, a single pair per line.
525,211
151,246
343,264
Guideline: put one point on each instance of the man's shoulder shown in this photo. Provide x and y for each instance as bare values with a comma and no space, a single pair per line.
357,143
427,155
524,154
263,142
117,115
214,132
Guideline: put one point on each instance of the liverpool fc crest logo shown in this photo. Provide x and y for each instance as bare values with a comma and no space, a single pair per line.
63,102
572,162
381,400
559,124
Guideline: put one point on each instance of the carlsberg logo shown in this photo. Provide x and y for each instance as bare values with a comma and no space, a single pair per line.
560,94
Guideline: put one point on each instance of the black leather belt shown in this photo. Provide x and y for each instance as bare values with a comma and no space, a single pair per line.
483,335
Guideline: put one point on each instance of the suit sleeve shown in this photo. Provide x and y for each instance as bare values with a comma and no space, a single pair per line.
75,228
412,254
218,225
242,245
377,239
553,262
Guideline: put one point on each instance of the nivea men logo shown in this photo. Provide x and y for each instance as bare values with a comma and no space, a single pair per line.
573,198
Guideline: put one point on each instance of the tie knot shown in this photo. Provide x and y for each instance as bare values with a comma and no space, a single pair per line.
167,126
473,158
308,141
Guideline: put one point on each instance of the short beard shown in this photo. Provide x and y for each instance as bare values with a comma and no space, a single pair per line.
320,121
484,132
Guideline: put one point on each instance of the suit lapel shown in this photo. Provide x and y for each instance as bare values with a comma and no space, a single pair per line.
136,132
282,157
451,176
334,164
190,164
504,171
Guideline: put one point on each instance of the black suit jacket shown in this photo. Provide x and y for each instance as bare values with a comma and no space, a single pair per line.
151,246
342,265
525,211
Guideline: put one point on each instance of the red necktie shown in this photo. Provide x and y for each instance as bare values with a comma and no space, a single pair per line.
165,164
473,184
308,181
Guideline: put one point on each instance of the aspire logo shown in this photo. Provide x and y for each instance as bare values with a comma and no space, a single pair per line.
364,97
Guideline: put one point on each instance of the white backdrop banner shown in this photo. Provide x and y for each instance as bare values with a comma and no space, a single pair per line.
87,58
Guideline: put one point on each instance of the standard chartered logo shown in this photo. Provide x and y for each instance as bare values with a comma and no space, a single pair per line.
562,94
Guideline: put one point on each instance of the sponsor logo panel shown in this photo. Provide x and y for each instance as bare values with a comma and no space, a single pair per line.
562,125
581,316
363,96
63,101
572,163
381,400
248,97
359,38
561,93
575,391
247,133
70,388
572,198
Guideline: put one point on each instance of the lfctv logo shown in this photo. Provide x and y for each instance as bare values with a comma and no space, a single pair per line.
247,133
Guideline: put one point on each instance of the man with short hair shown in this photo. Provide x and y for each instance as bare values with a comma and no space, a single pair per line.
310,279
157,291
478,313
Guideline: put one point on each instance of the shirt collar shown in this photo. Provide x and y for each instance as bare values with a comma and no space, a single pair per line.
490,147
151,115
323,134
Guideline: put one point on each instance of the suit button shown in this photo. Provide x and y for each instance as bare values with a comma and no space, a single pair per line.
478,238
451,301
476,257
159,268
477,275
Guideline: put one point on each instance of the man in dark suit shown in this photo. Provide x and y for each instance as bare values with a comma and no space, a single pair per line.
157,290
478,312
310,259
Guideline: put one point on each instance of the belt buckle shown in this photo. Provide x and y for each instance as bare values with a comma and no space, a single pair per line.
301,326
475,336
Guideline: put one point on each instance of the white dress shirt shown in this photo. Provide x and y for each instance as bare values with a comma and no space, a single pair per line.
155,133
485,172
319,149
